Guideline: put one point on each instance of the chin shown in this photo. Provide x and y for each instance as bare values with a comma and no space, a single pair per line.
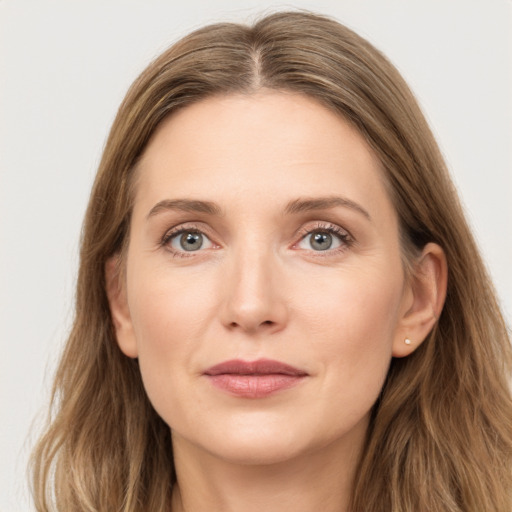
258,442
260,452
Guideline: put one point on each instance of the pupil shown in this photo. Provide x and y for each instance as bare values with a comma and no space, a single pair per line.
191,241
321,241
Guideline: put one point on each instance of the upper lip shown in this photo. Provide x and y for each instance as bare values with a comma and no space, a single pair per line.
259,367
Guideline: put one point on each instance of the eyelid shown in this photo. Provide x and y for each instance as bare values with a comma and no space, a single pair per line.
344,236
186,227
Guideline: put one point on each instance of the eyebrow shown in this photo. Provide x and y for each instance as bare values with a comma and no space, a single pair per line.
293,207
185,205
324,203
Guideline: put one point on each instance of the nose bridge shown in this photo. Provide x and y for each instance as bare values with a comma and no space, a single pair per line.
253,298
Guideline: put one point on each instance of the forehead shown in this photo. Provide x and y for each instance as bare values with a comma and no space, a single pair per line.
269,144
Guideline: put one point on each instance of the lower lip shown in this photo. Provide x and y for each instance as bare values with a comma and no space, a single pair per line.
254,386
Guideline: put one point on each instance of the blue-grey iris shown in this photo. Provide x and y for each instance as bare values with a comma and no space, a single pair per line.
321,241
191,241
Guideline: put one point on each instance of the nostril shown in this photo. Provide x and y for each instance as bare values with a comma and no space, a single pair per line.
234,325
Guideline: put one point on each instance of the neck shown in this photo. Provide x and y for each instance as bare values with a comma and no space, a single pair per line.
319,480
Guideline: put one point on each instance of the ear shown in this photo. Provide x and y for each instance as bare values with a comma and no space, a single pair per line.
423,300
116,293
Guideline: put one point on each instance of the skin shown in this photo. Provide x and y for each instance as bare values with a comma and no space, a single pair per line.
258,288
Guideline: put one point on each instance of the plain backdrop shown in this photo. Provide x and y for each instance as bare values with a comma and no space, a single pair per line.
64,68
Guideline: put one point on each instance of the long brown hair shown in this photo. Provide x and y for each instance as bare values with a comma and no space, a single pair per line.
440,434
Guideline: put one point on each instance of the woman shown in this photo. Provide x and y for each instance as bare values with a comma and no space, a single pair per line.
279,304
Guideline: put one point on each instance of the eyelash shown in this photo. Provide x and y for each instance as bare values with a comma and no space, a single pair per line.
320,227
174,232
343,236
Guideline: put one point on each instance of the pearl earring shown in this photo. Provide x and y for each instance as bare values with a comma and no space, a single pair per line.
407,341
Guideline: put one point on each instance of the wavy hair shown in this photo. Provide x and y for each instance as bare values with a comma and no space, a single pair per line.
440,433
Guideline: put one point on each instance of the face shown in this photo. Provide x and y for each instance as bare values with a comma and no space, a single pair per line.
264,287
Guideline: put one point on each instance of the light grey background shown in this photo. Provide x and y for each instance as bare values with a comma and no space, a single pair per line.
65,66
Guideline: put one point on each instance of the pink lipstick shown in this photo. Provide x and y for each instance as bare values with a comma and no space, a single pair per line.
254,379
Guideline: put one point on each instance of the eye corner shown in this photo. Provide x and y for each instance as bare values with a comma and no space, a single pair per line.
174,238
333,238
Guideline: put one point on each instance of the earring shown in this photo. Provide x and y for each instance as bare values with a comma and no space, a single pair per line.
407,341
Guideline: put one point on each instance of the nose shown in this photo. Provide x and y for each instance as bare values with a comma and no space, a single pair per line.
253,294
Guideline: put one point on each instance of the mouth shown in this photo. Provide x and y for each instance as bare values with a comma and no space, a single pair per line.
254,379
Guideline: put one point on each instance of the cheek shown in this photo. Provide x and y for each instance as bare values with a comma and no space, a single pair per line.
353,324
166,307
169,317
358,306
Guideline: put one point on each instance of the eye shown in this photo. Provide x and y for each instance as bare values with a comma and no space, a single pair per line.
324,239
187,240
